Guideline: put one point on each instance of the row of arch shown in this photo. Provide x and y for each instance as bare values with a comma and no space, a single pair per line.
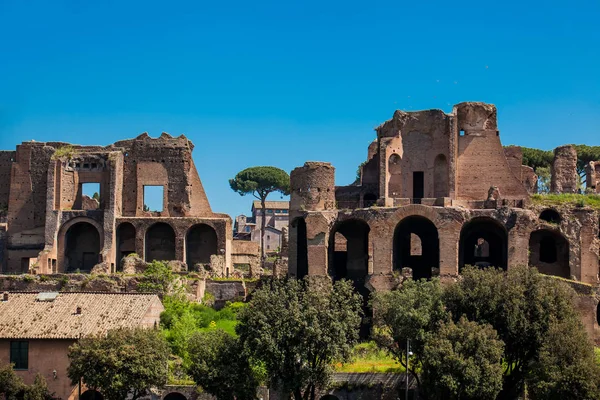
416,245
83,244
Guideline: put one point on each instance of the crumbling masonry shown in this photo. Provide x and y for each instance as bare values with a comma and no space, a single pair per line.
48,226
438,191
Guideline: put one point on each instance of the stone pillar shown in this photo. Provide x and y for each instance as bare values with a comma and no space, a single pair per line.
592,176
564,170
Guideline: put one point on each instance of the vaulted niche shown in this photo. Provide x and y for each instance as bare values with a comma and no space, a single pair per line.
82,248
417,246
201,243
125,242
160,242
549,253
483,243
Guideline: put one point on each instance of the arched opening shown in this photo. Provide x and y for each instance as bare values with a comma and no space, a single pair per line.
483,243
82,249
201,243
440,176
349,259
160,243
125,242
91,395
550,215
299,228
370,199
175,396
417,246
549,253
395,176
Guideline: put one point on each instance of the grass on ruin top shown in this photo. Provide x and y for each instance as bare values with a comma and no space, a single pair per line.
567,199
368,357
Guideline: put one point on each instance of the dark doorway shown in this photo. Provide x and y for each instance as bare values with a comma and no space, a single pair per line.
348,253
299,225
369,200
82,247
175,396
418,186
483,243
549,253
550,215
91,395
201,243
160,243
125,242
417,246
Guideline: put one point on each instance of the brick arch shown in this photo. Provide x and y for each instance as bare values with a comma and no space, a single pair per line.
493,249
201,241
416,245
174,396
160,242
415,210
62,239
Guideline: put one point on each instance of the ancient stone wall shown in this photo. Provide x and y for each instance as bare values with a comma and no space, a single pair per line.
565,178
592,175
313,187
6,161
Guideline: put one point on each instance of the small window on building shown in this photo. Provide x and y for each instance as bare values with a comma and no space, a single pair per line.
19,354
462,132
247,229
268,247
269,211
153,198
268,237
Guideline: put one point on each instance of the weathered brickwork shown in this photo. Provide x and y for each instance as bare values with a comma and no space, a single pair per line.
438,192
52,227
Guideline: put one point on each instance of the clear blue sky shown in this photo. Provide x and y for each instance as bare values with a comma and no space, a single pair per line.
282,82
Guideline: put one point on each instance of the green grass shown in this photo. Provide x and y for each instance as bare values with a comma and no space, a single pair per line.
597,351
567,199
224,324
368,357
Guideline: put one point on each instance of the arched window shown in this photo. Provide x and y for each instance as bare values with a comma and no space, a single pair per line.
82,250
160,243
549,253
201,243
550,215
483,243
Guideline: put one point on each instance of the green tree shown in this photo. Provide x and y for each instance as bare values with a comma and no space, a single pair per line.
220,366
299,329
260,182
96,197
408,313
160,279
520,305
566,367
124,362
13,388
462,361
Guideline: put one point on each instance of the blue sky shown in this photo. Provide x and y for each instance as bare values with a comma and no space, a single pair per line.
279,83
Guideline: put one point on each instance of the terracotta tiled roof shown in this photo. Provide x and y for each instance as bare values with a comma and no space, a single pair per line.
23,316
276,204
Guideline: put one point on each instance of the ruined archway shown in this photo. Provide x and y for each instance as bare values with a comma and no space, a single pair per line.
417,246
125,242
550,215
299,234
91,395
483,243
82,247
201,242
160,243
440,176
394,176
549,253
175,396
348,254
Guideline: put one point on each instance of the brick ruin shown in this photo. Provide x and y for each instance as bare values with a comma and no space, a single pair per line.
47,224
438,191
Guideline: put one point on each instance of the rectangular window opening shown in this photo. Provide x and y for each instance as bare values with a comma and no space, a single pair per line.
462,132
19,354
90,196
153,198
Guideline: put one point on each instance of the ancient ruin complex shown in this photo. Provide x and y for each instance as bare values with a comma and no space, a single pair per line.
438,191
49,226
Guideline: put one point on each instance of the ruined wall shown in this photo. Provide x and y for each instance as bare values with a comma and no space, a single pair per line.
313,187
415,142
481,159
6,161
564,170
592,175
